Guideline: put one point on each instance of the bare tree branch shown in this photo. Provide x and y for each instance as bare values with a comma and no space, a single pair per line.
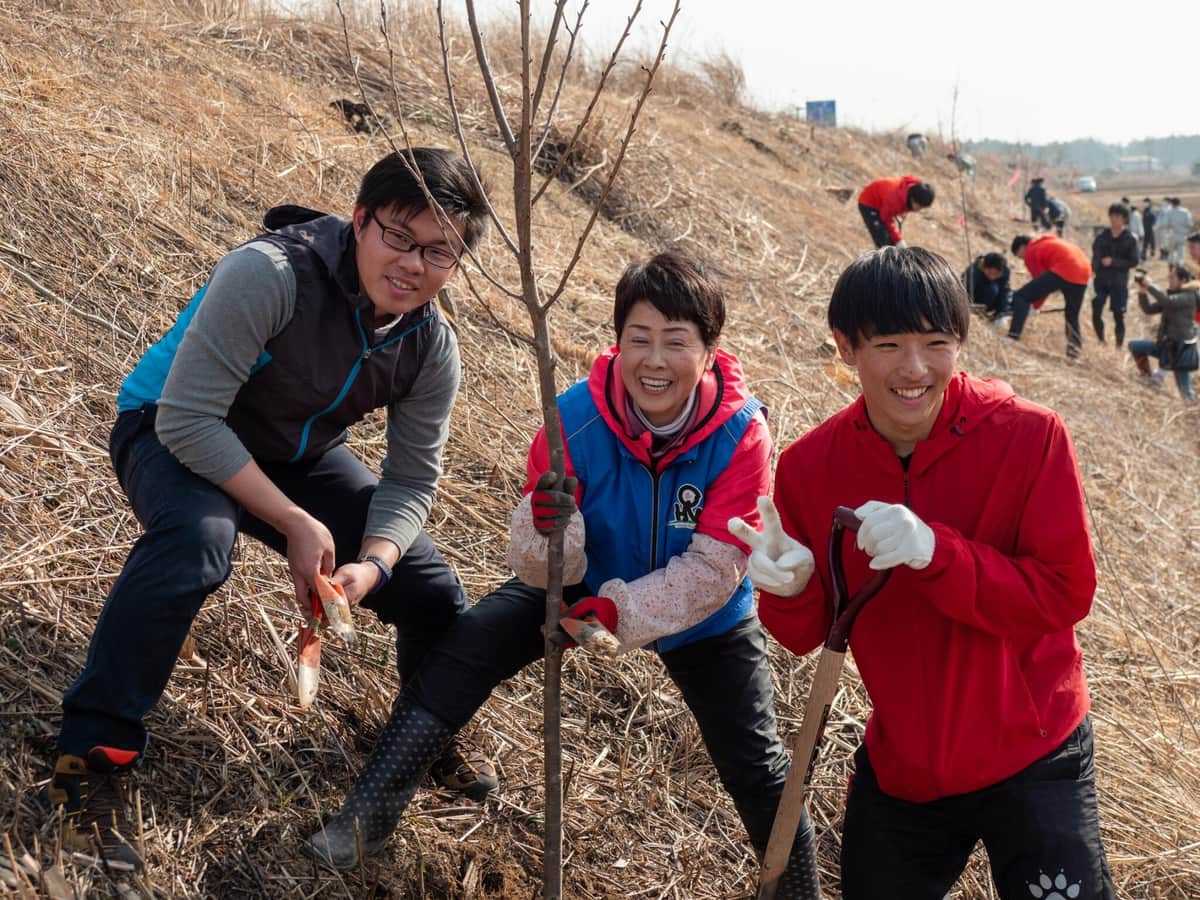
587,114
633,118
461,135
562,78
547,55
489,81
406,158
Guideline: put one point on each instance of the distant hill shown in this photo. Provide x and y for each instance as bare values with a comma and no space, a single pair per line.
1179,151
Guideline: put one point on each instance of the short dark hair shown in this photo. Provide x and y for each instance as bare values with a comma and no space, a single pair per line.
1174,201
1119,209
1194,237
899,291
1018,242
679,287
995,261
922,193
391,183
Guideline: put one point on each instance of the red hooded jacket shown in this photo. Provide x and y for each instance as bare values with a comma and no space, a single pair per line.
971,664
1063,258
890,197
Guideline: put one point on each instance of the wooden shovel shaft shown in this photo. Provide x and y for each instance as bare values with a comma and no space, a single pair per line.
804,759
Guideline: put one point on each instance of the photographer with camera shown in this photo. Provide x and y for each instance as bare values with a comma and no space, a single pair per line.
1175,344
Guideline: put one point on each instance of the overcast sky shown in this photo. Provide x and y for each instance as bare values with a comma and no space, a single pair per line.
1031,71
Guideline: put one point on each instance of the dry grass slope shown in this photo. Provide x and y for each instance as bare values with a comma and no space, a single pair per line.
141,141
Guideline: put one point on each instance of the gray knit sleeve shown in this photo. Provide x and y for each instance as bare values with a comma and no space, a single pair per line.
250,297
417,428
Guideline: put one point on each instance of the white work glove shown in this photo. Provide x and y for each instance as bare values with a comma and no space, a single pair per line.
901,245
892,535
778,563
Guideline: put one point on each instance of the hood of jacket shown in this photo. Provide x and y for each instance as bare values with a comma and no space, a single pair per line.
331,239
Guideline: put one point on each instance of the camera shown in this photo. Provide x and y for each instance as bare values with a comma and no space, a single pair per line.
1139,275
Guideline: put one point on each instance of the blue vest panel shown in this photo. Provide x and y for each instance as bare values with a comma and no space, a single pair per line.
636,519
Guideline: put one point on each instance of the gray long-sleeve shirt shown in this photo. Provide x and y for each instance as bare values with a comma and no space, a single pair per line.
250,298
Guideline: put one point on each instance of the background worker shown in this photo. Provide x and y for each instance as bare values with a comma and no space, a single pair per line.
979,729
1054,264
1149,224
987,283
1035,199
1056,215
1174,345
884,202
1178,222
1114,253
235,421
1135,222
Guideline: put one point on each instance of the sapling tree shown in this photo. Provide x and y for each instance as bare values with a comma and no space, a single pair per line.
528,124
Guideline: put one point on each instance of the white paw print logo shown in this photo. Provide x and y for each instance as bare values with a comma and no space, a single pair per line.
1058,889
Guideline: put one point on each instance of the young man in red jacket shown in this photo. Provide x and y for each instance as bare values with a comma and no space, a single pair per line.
972,497
885,201
1054,264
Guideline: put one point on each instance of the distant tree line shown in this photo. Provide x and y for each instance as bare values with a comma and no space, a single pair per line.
1176,151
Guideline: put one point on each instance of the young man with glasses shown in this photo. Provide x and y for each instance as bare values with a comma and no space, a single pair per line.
235,421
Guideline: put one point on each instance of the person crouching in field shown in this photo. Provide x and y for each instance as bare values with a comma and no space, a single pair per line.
235,421
1054,264
980,727
1175,345
664,443
988,287
884,202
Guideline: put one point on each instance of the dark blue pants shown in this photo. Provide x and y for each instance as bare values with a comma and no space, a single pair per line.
1043,286
875,225
184,555
724,679
1041,828
1116,294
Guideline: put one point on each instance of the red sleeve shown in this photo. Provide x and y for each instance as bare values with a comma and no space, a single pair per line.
1047,585
736,490
538,461
800,623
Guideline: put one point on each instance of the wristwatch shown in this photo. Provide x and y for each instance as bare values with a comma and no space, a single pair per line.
385,571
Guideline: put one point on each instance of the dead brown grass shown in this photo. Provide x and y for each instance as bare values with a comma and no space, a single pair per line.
139,143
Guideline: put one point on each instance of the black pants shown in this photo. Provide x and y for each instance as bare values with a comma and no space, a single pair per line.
876,226
1148,245
724,680
184,555
1116,294
1042,286
1041,829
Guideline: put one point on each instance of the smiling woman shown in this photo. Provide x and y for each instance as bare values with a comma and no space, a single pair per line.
668,319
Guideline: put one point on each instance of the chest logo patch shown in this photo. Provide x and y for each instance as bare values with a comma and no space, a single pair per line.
686,510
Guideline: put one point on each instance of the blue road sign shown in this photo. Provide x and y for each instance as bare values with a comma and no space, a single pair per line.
821,112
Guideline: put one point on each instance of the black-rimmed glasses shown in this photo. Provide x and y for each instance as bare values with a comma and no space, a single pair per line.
398,240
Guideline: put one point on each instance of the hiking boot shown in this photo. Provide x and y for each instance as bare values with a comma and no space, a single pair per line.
412,739
464,769
93,795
